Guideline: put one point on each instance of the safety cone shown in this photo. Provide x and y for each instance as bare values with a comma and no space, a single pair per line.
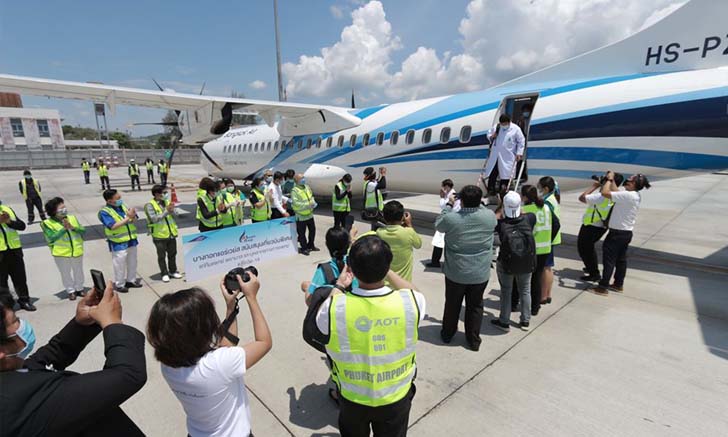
175,199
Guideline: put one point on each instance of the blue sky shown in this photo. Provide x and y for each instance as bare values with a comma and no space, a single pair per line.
388,50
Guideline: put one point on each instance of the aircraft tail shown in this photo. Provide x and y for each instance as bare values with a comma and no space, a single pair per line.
692,37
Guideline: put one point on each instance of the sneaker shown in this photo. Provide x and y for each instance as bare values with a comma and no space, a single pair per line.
165,278
599,290
304,252
525,326
135,284
72,295
500,325
432,265
177,275
615,288
591,278
27,305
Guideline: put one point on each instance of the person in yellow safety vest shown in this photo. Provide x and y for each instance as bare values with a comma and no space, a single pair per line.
231,203
372,335
64,235
12,264
103,175
593,226
210,210
163,169
551,196
160,214
133,171
547,225
341,201
121,234
30,189
373,199
149,164
260,210
303,206
86,167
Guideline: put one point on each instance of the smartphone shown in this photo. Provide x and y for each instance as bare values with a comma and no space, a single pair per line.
99,283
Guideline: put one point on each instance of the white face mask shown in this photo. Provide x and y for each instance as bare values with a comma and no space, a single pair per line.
505,126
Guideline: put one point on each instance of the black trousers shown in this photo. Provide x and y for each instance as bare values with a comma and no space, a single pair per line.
535,285
135,178
166,255
473,295
587,239
614,257
340,218
150,177
436,255
12,266
275,214
36,202
112,424
203,228
356,420
301,227
105,182
87,177
163,177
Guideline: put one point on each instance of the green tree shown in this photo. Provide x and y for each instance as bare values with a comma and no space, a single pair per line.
122,138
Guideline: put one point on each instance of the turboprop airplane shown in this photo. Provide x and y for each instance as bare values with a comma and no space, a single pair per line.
654,103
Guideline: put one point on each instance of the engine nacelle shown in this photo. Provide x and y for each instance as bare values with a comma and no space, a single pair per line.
205,123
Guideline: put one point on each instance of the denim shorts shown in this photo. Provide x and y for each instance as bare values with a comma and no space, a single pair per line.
550,258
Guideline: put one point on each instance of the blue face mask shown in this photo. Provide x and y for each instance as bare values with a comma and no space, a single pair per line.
303,181
27,335
118,203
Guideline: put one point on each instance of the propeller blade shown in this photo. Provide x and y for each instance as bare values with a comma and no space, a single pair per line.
161,123
203,87
157,84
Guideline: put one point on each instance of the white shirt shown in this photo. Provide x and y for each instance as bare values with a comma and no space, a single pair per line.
276,197
509,143
444,200
322,318
594,199
213,394
624,211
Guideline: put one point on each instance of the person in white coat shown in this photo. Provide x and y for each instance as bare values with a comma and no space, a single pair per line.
438,240
508,144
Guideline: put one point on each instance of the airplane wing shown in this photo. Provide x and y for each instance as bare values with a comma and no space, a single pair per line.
201,117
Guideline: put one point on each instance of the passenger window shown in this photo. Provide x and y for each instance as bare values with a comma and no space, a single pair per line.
318,143
465,134
255,149
268,146
340,141
426,136
445,135
300,144
365,140
394,138
275,145
308,143
238,148
410,137
329,140
352,141
225,149
380,138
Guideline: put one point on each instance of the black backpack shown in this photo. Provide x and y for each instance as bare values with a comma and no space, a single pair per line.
311,334
518,248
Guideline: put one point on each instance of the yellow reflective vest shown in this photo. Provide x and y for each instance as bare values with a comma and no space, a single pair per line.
228,217
24,188
9,238
373,199
133,170
165,228
264,212
103,170
302,202
551,199
211,205
372,346
70,245
121,234
343,204
597,213
85,166
542,230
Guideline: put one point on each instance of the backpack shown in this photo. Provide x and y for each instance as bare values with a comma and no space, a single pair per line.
518,248
310,332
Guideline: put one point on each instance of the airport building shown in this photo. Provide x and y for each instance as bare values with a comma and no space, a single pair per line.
30,129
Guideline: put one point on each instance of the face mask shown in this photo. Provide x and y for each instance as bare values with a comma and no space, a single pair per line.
27,335
268,180
505,126
118,203
165,195
28,176
526,114
540,192
63,212
303,181
230,189
261,186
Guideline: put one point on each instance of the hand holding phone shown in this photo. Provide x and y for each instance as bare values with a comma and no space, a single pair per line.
99,283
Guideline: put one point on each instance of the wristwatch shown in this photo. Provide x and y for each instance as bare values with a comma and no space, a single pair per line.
340,287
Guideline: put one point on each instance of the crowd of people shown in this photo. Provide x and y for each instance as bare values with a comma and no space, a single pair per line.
363,310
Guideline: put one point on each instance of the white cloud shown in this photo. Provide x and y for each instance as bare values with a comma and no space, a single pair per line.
499,41
257,84
336,11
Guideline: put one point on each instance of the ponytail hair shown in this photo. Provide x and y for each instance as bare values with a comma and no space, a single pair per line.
531,194
338,242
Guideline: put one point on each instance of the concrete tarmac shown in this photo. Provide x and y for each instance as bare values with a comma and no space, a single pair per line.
651,361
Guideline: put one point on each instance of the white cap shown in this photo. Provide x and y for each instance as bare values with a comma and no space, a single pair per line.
132,160
512,205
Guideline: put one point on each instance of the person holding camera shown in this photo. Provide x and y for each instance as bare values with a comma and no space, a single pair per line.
594,225
401,237
41,397
438,240
121,234
621,223
373,200
199,356
64,235
370,335
468,255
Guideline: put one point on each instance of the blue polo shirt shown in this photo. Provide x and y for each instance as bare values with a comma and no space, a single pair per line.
108,222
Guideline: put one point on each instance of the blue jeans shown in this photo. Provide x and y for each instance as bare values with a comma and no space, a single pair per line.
523,282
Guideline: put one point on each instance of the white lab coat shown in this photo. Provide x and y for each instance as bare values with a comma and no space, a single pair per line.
508,144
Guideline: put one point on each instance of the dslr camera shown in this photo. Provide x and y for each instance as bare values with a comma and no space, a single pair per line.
231,280
601,179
